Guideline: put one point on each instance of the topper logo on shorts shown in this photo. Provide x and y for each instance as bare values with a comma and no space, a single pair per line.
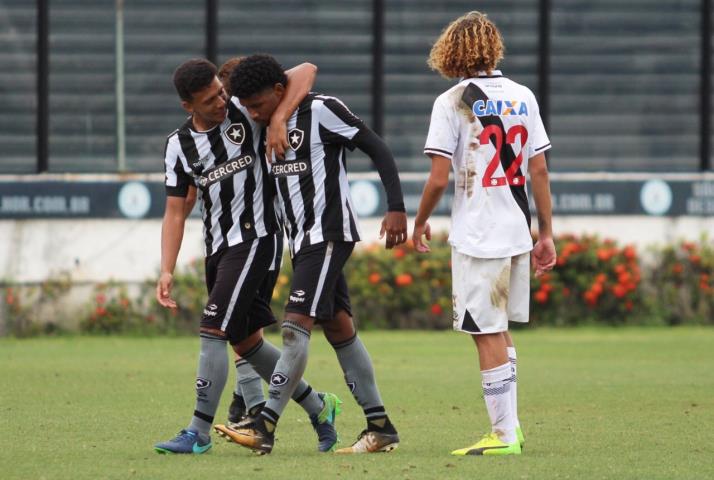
499,107
278,379
210,310
352,386
297,296
202,383
235,133
225,170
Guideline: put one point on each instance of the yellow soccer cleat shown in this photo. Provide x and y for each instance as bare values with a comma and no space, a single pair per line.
490,444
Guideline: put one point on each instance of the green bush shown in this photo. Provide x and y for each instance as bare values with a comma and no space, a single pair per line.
596,281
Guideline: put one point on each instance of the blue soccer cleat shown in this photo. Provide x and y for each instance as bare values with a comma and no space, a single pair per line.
187,441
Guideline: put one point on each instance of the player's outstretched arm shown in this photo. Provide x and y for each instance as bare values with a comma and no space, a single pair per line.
543,255
434,188
171,237
394,224
300,82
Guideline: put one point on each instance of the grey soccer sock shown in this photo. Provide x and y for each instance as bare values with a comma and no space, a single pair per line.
359,375
288,370
210,380
264,357
251,388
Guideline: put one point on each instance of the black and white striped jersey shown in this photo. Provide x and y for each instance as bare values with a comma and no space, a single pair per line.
312,180
225,164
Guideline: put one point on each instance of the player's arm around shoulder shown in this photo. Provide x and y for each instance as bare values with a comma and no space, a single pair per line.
301,79
435,186
543,254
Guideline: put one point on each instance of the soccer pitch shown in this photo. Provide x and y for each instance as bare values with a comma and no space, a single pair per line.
614,403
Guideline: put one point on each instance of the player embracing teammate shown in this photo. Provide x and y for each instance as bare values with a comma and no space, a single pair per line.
488,129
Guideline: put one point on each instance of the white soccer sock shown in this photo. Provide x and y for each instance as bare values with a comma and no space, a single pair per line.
514,379
497,394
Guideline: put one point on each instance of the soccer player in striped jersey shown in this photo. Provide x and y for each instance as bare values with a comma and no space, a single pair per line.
322,229
488,129
218,150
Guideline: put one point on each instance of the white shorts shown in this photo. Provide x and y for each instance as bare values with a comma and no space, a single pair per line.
488,292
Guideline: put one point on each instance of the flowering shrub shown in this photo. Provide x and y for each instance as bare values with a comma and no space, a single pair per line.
24,309
683,281
596,281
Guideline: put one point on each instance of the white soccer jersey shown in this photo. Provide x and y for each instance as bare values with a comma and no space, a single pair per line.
489,126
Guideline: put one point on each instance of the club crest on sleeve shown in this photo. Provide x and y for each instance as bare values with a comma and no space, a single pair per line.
278,379
235,133
202,383
295,137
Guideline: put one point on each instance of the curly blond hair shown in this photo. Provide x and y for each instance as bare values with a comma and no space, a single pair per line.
468,45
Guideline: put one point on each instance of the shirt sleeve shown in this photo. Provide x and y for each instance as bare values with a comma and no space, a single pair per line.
177,179
443,133
338,124
539,141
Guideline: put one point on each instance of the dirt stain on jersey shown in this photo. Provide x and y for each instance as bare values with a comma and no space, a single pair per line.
460,106
500,287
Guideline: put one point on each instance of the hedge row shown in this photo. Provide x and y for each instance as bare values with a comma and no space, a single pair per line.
596,281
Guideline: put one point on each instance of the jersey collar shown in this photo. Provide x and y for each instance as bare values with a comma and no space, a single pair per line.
494,74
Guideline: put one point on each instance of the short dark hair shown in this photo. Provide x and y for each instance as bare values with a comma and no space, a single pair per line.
255,74
192,76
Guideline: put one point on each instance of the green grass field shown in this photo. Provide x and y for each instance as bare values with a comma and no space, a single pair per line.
619,403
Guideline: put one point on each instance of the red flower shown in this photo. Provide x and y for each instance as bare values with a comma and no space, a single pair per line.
399,253
677,268
566,292
541,296
101,299
596,289
374,278
600,278
695,259
604,254
624,278
590,298
629,252
403,280
101,311
436,309
620,268
619,291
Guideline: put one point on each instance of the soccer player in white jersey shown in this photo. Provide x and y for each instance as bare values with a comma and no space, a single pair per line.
488,129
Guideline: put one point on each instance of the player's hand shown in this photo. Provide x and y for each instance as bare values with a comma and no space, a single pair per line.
163,291
543,255
276,142
394,226
419,230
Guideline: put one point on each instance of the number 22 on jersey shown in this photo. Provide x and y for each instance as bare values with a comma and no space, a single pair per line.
495,133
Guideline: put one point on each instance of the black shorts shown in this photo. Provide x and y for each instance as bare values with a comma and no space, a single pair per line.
319,288
236,279
271,278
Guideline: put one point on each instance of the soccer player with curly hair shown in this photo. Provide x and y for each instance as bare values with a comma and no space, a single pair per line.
488,129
